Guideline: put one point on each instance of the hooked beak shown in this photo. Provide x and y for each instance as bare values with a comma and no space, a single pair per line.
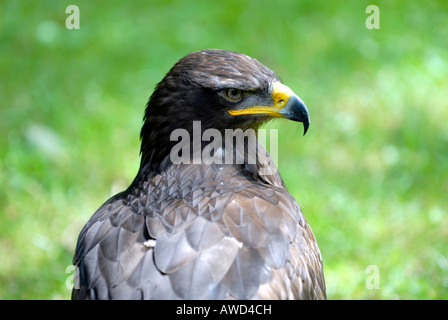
286,104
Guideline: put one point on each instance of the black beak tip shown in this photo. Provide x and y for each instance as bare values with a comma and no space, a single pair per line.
300,112
306,122
296,110
305,127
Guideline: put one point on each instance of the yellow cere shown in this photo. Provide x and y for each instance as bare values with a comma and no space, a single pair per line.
280,96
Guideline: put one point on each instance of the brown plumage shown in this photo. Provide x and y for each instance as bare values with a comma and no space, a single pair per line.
206,230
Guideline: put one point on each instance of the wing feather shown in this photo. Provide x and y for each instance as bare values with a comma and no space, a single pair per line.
237,239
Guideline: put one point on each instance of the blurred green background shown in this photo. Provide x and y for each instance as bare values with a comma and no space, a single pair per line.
371,174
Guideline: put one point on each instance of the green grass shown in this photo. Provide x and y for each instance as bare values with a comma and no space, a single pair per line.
371,174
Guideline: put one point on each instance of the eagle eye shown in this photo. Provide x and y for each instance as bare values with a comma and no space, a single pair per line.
233,95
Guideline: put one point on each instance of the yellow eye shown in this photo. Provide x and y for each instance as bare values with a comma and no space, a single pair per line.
233,95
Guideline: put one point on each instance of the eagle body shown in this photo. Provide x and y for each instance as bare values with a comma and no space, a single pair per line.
204,230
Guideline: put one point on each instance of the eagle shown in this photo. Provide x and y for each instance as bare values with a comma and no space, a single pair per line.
219,226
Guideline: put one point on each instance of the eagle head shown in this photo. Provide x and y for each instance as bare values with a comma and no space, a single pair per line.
221,89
